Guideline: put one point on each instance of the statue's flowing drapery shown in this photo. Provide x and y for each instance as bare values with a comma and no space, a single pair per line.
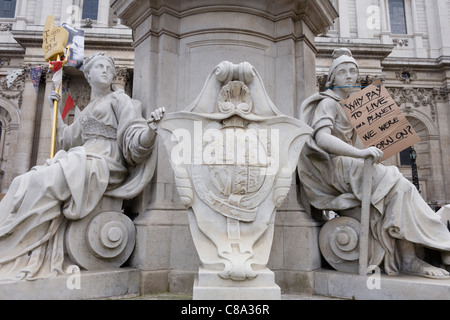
335,183
101,155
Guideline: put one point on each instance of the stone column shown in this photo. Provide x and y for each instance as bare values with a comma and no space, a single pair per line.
22,158
69,13
176,47
344,19
122,78
443,118
294,228
46,10
103,13
418,36
444,26
9,139
361,17
385,29
12,132
21,14
46,127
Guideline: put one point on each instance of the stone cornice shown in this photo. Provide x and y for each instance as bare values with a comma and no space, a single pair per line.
96,41
360,51
318,15
418,63
12,50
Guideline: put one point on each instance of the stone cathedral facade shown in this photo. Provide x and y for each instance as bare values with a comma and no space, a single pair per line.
403,42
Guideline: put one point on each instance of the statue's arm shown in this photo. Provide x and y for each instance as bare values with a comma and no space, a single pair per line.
148,137
336,146
67,136
136,137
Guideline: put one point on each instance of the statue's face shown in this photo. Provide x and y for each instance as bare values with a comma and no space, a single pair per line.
346,75
101,73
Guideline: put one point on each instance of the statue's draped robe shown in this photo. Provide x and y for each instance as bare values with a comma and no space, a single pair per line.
104,157
333,182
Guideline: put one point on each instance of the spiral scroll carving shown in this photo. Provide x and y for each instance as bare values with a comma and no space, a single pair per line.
103,241
227,71
339,243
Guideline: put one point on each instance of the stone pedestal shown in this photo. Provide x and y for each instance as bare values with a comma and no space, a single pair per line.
209,286
177,44
295,251
379,286
75,286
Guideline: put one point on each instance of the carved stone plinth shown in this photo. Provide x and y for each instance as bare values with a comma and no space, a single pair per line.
209,286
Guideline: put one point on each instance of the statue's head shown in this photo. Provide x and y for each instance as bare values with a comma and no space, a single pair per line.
342,56
100,69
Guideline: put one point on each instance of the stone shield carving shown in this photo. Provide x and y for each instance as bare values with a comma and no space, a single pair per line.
233,154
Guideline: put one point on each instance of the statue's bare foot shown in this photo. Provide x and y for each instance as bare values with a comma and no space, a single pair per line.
418,267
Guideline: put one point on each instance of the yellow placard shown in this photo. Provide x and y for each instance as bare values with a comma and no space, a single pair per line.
54,40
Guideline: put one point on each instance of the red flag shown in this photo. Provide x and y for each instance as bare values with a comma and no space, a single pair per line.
68,106
57,65
57,74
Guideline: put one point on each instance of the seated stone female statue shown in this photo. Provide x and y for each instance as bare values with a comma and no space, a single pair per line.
331,171
105,152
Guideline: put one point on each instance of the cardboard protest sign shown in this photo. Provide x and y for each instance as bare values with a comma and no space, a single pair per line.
54,40
378,120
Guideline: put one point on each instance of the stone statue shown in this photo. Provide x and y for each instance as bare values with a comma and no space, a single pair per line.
233,155
331,174
107,156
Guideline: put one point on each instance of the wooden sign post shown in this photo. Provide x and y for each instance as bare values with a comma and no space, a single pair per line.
379,121
54,43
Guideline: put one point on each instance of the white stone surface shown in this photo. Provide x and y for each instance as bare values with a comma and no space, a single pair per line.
402,287
233,155
92,285
209,286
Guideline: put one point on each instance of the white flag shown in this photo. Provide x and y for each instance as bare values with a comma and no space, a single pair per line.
57,79
12,76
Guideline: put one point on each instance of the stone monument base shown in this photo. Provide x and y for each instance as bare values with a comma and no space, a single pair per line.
89,285
209,286
402,287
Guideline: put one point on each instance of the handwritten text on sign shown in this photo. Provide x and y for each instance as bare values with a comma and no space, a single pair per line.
379,121
54,40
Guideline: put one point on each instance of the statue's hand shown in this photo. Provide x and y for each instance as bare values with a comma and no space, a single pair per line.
374,153
155,117
52,97
148,137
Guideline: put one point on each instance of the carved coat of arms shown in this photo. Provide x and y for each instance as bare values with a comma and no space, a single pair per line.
233,155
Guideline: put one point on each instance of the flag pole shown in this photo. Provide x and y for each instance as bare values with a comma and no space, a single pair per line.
57,89
54,44
55,120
